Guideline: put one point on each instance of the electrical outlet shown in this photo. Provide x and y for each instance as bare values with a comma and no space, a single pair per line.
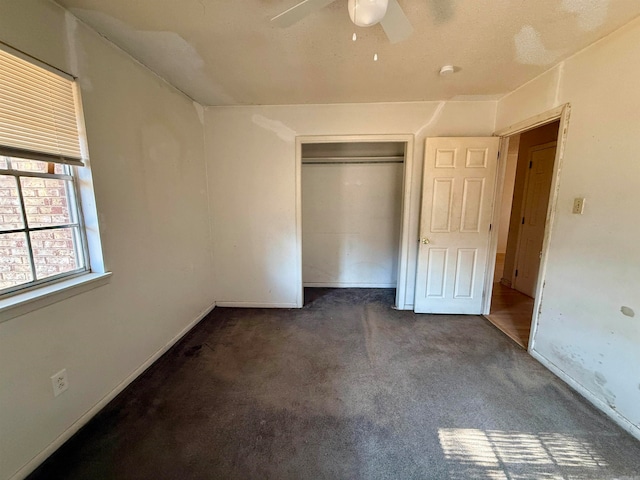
578,206
60,382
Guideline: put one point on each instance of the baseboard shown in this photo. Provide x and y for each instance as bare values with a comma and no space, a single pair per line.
256,305
84,419
347,285
623,422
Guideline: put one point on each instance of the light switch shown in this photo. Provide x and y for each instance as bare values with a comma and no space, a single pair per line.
578,206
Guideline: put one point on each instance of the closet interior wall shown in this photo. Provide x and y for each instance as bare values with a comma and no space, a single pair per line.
351,213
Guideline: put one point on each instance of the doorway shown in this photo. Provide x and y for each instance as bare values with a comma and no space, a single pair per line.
521,229
352,215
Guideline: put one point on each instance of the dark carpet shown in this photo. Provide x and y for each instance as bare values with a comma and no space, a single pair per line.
346,387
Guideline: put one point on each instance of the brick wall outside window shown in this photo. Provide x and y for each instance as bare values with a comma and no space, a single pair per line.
46,204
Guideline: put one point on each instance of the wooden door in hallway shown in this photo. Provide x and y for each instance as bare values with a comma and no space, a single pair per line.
534,217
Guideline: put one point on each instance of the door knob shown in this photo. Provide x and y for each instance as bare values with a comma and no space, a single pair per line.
425,240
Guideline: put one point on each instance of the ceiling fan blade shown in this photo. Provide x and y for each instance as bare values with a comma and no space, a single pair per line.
299,11
395,23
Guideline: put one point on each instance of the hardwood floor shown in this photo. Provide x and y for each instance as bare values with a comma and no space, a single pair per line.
511,311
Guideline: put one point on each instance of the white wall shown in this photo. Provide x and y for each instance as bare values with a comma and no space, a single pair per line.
147,156
351,216
593,269
253,194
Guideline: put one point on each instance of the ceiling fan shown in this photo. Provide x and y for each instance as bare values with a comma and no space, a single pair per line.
363,13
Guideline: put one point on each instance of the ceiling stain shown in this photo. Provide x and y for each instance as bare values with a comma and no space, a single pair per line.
591,13
530,50
229,53
166,53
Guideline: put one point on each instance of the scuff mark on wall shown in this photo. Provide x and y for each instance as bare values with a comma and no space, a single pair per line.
591,13
166,53
74,52
71,25
530,50
199,111
556,100
593,381
434,118
280,129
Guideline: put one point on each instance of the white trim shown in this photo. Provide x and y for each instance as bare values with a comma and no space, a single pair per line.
298,204
533,122
22,303
561,113
403,254
622,421
257,305
551,215
348,285
93,411
405,228
495,224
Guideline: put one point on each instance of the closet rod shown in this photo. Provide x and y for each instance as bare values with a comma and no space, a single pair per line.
357,160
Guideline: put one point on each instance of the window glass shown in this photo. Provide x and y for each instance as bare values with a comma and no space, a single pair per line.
15,262
46,201
54,252
10,211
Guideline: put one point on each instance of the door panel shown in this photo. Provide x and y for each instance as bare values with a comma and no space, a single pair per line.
457,191
536,202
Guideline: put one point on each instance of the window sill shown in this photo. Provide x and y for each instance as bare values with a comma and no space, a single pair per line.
26,302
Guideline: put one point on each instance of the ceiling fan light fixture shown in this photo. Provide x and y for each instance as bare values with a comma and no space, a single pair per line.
365,13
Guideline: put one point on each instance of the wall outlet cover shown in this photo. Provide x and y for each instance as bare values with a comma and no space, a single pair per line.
59,382
578,206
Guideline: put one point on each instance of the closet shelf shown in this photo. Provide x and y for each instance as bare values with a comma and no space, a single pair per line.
356,160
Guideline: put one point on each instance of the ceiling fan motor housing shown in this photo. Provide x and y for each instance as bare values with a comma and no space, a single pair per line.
365,13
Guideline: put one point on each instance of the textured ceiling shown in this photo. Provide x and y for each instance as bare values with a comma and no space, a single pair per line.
226,52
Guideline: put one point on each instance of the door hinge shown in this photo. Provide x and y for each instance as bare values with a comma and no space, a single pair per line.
516,273
498,154
490,227
522,220
531,164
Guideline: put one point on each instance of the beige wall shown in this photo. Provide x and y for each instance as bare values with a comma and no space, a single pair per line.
253,193
146,148
593,268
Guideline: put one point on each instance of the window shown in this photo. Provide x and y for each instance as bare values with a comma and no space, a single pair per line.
49,244
41,230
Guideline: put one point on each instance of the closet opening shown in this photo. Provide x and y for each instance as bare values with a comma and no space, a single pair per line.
352,214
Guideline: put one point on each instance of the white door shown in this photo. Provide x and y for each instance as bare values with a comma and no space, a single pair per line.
534,217
457,199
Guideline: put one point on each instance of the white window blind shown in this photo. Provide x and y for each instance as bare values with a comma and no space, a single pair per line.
38,116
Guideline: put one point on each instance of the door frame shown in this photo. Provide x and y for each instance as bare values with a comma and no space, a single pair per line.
561,113
404,247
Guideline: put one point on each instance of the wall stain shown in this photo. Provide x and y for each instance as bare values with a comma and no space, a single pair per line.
627,311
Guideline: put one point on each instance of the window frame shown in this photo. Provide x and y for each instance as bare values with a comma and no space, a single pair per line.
75,210
53,290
